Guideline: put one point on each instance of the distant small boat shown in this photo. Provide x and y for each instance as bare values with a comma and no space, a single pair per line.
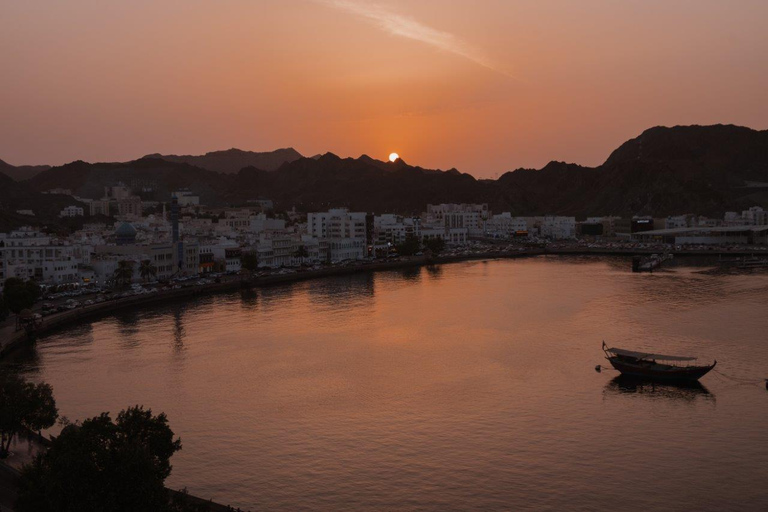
655,366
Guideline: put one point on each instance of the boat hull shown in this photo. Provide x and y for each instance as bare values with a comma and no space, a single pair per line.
669,373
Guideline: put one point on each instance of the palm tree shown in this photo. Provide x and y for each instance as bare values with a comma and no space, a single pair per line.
123,272
302,253
147,270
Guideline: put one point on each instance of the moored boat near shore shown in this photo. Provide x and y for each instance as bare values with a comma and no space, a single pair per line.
655,366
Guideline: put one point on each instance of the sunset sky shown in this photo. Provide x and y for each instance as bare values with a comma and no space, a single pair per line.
485,86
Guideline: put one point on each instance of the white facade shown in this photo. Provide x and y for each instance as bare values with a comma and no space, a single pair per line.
395,229
72,211
472,217
260,223
755,216
341,249
186,198
29,254
558,228
504,225
338,223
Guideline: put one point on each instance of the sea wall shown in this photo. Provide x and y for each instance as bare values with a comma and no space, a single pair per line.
11,339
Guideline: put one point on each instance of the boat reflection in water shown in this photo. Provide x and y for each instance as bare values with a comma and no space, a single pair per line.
653,389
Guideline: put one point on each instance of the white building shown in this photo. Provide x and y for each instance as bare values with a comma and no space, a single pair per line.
162,256
72,211
504,225
185,197
28,254
469,216
395,229
451,236
755,216
341,249
557,228
345,232
260,223
337,223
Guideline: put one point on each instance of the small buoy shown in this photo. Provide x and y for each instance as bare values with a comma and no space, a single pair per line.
598,370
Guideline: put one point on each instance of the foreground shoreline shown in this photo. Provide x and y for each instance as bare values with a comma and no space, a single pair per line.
12,339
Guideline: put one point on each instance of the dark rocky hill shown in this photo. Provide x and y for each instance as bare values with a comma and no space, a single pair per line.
21,196
686,169
361,184
232,160
21,172
150,178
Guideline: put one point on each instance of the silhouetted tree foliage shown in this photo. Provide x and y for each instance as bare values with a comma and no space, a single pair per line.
20,294
249,260
409,247
123,273
103,465
23,406
147,270
302,253
436,245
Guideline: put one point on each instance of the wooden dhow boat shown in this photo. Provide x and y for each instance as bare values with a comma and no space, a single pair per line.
655,366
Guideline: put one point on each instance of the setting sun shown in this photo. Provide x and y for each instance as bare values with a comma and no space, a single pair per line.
393,157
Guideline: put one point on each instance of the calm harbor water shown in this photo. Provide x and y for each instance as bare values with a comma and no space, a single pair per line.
465,386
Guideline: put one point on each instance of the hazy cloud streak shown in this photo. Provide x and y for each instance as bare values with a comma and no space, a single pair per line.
407,27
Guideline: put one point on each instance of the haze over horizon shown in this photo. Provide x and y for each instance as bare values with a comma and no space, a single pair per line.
484,87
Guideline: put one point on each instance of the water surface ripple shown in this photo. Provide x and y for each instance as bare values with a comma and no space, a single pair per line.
468,386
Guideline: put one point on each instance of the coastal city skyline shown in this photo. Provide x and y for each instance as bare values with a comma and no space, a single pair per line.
483,87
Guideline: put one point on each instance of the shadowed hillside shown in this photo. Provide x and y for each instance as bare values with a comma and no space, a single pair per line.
20,196
232,160
686,169
21,172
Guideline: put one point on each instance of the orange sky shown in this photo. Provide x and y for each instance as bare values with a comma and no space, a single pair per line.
485,85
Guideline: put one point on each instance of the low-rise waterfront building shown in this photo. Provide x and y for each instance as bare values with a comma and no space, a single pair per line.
72,211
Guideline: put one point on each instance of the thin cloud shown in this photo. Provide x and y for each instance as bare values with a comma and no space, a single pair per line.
407,27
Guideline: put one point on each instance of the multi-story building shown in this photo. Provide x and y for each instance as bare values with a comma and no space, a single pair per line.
342,249
185,197
278,250
263,204
469,216
232,261
347,233
29,254
557,227
451,236
504,225
72,211
680,221
117,192
755,216
259,223
395,229
129,207
337,223
99,207
105,258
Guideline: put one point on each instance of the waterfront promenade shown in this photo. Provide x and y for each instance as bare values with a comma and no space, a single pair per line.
12,338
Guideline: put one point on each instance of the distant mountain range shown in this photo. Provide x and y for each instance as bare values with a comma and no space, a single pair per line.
232,160
21,172
686,169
